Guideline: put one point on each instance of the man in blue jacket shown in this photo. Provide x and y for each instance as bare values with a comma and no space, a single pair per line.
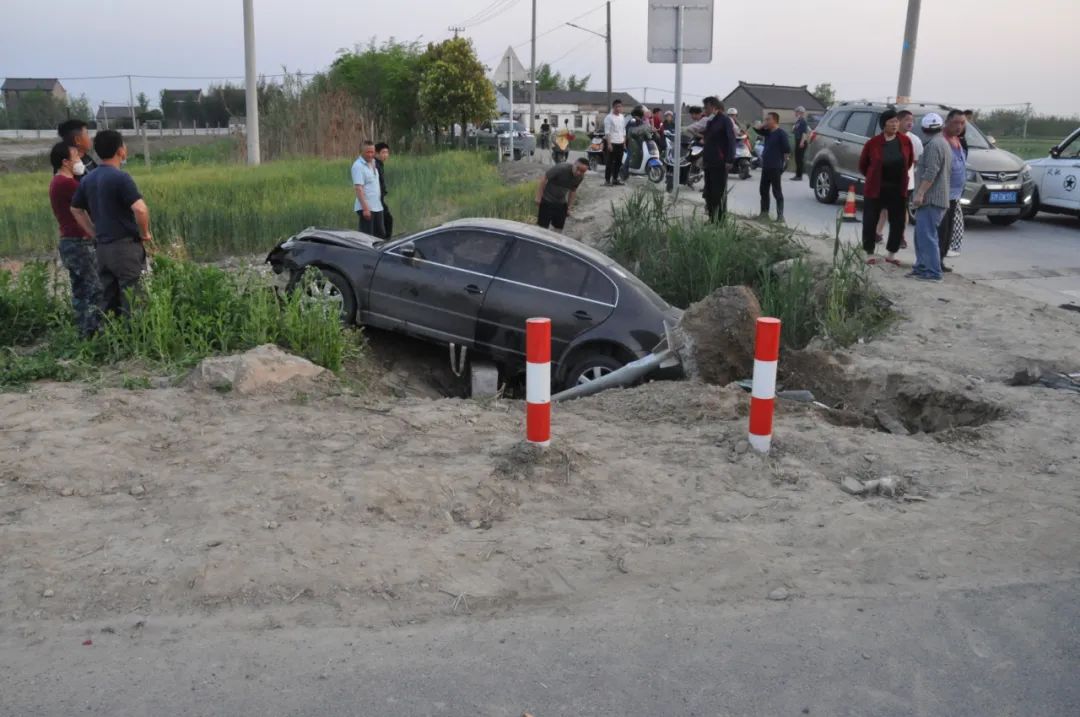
773,160
718,151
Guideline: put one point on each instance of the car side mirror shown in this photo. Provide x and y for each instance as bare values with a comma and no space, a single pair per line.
407,250
1055,152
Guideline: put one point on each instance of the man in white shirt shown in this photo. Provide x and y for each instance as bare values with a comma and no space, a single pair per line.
368,205
907,121
614,143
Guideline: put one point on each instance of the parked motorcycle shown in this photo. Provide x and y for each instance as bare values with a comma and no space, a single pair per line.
560,150
690,170
596,150
744,157
650,165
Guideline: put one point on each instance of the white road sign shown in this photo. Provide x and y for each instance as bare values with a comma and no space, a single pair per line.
697,31
509,65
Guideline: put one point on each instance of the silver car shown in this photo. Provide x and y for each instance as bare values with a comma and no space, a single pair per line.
999,184
497,134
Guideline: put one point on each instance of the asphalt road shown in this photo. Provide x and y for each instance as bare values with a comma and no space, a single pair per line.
1011,650
1038,259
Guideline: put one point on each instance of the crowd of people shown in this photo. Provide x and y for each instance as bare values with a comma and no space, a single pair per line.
103,221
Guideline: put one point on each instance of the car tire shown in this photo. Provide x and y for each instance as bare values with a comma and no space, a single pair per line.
517,155
1004,221
591,367
823,182
1033,209
332,286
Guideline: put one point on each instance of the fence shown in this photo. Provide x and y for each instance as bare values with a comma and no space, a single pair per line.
173,132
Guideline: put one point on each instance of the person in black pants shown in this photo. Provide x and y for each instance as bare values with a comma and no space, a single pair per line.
556,192
885,161
801,130
615,143
718,150
382,153
773,160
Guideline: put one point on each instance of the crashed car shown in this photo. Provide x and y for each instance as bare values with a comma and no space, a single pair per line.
473,283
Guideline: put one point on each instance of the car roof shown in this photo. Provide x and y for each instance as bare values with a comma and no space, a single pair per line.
913,107
530,231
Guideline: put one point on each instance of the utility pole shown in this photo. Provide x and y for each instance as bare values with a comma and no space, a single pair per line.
532,75
456,30
907,58
135,125
1027,114
608,38
251,96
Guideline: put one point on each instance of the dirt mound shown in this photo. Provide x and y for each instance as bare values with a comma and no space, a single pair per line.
261,368
680,403
719,335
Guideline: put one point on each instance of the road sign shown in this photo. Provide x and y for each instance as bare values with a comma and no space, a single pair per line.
697,31
509,66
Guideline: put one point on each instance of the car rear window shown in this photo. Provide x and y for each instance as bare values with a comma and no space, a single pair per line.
599,288
537,265
863,124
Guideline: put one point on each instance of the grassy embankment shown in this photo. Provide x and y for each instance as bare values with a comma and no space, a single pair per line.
1030,148
219,210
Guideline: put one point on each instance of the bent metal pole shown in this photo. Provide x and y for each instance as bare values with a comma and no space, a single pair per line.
538,381
763,393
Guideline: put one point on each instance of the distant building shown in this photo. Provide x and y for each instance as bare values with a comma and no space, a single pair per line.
15,87
114,117
180,106
584,109
753,101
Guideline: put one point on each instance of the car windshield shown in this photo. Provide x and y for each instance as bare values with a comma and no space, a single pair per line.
504,126
974,136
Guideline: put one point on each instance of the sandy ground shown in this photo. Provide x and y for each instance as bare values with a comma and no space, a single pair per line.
316,507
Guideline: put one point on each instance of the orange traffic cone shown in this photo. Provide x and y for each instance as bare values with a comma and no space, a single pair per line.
849,205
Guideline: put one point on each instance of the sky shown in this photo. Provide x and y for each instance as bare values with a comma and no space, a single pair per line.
971,53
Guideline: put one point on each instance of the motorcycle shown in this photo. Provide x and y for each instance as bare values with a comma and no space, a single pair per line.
743,157
759,150
596,150
690,170
560,150
650,165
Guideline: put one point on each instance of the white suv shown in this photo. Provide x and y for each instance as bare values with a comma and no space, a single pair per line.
1057,179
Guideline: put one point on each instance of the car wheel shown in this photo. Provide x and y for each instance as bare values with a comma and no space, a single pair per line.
1033,208
590,368
328,285
593,164
824,184
517,155
656,174
1004,221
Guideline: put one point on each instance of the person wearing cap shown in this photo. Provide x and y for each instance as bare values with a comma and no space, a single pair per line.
801,131
885,161
931,199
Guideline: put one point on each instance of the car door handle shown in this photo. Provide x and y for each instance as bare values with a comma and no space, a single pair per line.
474,289
583,315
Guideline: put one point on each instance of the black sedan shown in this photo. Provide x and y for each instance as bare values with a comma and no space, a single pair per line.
474,282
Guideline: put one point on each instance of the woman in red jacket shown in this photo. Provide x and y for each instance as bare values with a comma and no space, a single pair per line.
885,162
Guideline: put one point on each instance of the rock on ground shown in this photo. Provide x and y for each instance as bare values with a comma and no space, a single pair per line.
261,368
719,335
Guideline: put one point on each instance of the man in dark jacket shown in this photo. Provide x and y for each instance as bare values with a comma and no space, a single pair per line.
774,158
801,130
382,153
718,151
74,132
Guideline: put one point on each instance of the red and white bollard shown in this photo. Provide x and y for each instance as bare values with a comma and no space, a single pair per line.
538,381
763,394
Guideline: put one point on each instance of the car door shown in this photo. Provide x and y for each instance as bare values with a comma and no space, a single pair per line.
433,287
860,126
542,280
1061,181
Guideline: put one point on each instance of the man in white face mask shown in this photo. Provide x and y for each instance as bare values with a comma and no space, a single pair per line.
76,245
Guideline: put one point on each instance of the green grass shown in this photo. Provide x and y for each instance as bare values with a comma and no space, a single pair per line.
183,313
685,259
219,210
1030,148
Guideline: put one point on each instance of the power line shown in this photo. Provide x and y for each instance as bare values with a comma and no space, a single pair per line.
560,26
183,77
490,13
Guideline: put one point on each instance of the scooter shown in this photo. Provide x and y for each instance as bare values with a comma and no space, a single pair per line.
650,163
690,171
560,150
596,150
743,157
759,150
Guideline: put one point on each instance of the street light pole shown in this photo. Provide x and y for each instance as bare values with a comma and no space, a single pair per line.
251,96
607,39
907,58
532,75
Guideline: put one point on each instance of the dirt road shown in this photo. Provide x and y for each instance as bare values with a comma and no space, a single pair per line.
317,508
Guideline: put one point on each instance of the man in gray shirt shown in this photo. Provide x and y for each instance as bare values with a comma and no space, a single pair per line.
556,192
931,199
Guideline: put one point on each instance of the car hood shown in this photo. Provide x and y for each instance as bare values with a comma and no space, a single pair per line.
341,237
994,160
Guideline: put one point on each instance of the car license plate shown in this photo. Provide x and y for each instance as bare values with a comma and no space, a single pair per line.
1003,197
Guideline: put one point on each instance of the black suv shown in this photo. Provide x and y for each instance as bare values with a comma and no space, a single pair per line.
999,184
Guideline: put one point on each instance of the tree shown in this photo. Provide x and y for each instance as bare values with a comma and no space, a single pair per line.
825,94
38,110
575,85
79,108
548,80
142,105
454,86
385,81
